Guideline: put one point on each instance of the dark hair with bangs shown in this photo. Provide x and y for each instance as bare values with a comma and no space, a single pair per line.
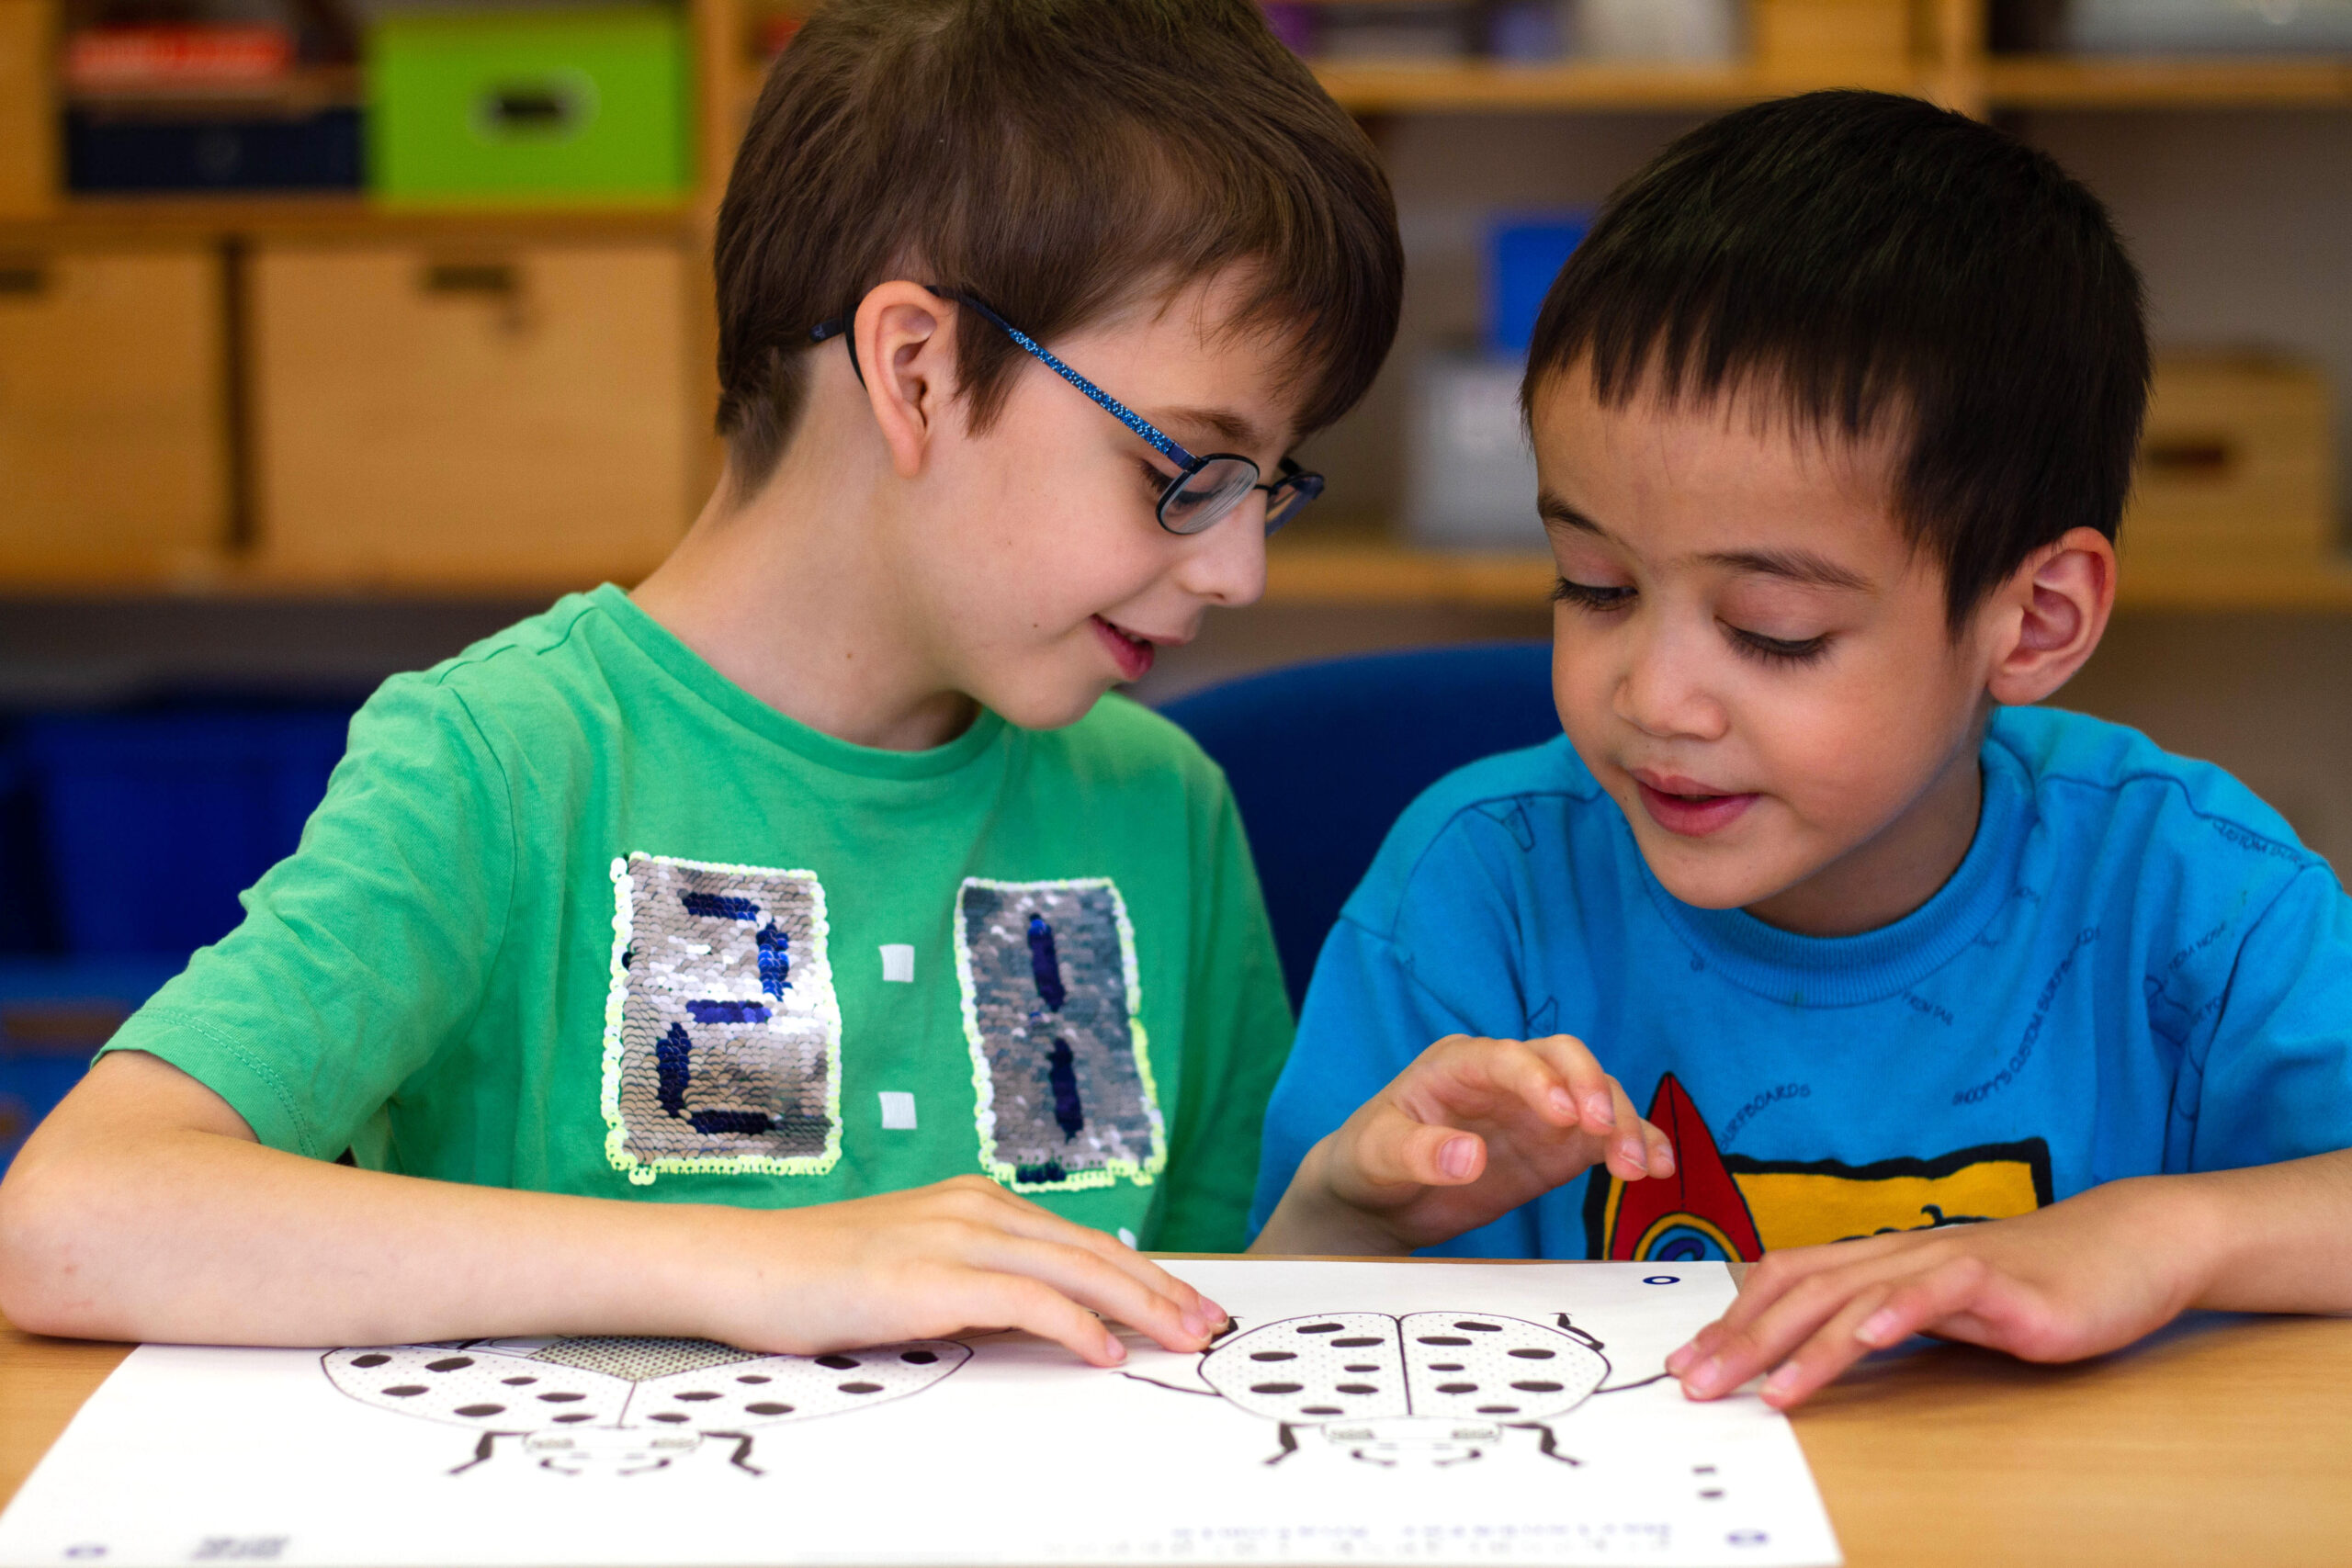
1057,159
1870,258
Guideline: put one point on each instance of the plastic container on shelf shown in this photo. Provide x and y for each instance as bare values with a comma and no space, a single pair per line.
2208,27
1524,253
1470,475
1531,32
161,149
1693,32
1410,32
153,823
538,105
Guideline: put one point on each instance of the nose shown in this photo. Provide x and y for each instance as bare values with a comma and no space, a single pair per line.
1662,689
1225,562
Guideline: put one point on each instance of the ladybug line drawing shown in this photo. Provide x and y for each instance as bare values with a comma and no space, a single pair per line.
624,1405
1439,1388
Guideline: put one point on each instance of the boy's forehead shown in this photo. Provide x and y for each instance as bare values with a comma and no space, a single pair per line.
1200,356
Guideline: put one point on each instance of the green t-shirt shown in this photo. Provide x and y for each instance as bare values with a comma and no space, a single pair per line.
579,915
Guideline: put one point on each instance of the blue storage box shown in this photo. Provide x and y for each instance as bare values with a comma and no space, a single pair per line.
153,823
125,153
53,1016
1524,253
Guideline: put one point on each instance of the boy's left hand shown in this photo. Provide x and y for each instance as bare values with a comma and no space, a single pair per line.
2081,1277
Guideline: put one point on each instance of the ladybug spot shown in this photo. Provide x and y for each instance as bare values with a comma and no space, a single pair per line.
1322,1328
1481,1327
769,1408
1272,1356
517,1382
480,1410
1499,1410
861,1388
1445,1366
751,1377
919,1358
1275,1387
572,1417
1358,1388
562,1398
838,1363
1320,1410
449,1364
404,1390
1534,1355
1355,1340
1537,1387
372,1358
696,1397
673,1416
1443,1339
1457,1388
1360,1367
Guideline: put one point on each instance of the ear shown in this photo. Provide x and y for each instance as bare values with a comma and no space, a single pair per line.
2049,617
906,351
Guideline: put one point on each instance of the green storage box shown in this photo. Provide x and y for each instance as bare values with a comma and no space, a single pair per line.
542,107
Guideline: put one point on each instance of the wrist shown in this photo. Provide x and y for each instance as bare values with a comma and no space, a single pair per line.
2187,1219
1313,1219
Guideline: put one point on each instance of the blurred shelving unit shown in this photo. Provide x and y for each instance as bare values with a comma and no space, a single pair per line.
482,257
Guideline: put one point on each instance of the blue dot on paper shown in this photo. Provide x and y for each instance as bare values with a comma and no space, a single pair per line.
1747,1538
1662,1279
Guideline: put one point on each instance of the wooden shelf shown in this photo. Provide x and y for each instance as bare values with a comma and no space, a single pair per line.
1366,88
115,219
1379,574
2177,82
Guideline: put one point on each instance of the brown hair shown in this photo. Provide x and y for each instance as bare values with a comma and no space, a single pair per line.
1057,159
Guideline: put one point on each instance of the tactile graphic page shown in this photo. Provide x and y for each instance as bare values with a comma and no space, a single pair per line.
1357,1413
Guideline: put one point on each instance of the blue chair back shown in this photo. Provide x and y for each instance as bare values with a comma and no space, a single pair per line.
1324,757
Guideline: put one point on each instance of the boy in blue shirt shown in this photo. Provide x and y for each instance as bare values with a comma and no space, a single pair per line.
1967,1017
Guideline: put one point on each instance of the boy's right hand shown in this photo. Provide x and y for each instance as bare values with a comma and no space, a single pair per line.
1473,1129
936,1261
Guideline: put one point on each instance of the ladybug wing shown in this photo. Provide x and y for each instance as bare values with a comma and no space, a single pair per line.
793,1388
470,1385
1465,1364
1307,1371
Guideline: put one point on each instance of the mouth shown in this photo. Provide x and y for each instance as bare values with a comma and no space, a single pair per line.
1686,806
1131,651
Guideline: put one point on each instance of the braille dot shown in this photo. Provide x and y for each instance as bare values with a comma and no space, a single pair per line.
1499,1410
1443,1339
1275,1387
1320,1410
1322,1328
574,1416
480,1410
672,1417
1537,1387
517,1382
696,1397
1273,1356
838,1363
1481,1327
861,1388
372,1358
562,1398
449,1364
1535,1354
405,1390
919,1358
1358,1388
1360,1367
1457,1388
769,1408
751,1377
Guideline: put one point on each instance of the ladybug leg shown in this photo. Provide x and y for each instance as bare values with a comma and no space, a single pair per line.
482,1451
740,1458
1290,1445
1544,1443
1574,1333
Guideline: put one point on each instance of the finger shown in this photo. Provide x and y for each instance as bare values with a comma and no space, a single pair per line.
989,1204
1076,1273
1587,1085
1875,1318
1037,1308
1462,1077
1628,1149
1660,1149
1765,1340
1779,1272
1391,1153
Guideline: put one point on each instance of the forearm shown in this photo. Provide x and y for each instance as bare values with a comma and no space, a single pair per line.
2271,1237
198,1236
1310,1221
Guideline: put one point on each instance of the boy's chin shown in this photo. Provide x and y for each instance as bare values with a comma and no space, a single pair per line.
1710,879
1047,705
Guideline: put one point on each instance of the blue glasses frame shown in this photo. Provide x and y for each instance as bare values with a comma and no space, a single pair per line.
1205,488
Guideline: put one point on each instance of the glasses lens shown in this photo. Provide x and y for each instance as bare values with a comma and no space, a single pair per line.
1290,496
1207,494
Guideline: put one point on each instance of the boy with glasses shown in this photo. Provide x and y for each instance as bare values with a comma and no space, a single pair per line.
802,951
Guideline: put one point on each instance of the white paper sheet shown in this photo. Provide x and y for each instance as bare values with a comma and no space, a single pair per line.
1337,1423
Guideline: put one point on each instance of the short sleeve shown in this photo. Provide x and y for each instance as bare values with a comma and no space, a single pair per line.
1237,1033
367,950
2275,1080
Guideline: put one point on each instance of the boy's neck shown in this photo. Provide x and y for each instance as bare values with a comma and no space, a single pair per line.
788,594
1880,881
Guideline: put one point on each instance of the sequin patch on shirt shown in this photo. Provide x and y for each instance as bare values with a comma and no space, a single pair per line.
722,1032
1052,1011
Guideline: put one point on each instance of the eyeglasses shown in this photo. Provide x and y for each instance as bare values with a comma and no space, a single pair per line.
1204,489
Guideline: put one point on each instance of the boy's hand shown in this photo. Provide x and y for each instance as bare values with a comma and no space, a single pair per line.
1470,1131
939,1260
2079,1277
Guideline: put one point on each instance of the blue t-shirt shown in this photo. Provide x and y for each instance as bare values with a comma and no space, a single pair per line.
2135,970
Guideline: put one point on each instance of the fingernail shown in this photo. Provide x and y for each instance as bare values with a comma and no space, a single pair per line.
1630,1151
1881,1328
1564,1102
1456,1158
1596,1109
1681,1358
1118,1351
1218,1317
1703,1381
1784,1379
1196,1319
1662,1163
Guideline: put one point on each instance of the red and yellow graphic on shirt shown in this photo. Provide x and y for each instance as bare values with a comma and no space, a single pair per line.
1734,1207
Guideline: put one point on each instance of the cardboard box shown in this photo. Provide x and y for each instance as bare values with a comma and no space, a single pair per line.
512,417
28,175
1803,44
113,427
2237,463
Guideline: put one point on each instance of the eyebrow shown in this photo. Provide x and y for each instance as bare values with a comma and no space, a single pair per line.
1225,424
1795,566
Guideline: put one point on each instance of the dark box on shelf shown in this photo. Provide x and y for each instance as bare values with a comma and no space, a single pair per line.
108,152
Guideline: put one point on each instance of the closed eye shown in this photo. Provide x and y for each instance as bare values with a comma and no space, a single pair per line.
1777,650
1589,595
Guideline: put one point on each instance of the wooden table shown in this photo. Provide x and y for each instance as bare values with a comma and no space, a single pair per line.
2222,1440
